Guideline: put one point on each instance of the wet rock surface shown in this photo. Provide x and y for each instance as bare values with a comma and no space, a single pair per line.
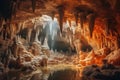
94,72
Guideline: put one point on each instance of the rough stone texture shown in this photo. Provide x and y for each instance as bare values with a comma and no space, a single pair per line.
94,72
37,76
114,57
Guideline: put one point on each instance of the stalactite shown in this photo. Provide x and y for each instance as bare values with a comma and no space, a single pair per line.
11,31
33,5
76,17
102,39
106,27
110,26
37,32
109,44
91,20
61,15
13,8
1,23
82,18
53,15
1,20
118,41
105,41
18,4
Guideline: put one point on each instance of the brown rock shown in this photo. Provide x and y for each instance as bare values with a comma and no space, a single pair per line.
114,57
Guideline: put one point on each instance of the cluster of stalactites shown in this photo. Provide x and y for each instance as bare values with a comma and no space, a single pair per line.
9,8
82,17
10,30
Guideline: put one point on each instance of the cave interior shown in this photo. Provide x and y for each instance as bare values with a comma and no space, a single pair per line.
59,39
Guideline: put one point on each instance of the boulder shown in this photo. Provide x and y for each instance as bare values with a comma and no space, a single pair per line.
28,67
87,71
37,76
43,62
114,57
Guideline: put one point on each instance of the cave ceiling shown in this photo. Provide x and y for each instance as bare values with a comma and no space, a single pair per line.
24,9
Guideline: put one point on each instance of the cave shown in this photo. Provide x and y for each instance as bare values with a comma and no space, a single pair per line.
59,39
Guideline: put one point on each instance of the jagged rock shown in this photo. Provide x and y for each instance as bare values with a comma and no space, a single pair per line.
97,75
114,57
91,20
40,60
27,56
28,67
103,51
116,74
14,64
111,74
106,65
43,62
87,71
1,68
37,76
35,61
35,48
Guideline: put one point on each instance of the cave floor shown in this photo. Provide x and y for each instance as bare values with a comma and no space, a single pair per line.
64,66
56,61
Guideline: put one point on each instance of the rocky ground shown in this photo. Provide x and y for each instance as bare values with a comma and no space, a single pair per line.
36,62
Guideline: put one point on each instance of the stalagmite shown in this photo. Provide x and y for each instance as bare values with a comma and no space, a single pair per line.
37,32
91,20
40,31
29,34
33,35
